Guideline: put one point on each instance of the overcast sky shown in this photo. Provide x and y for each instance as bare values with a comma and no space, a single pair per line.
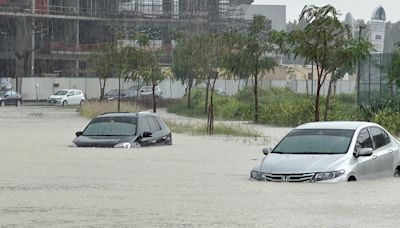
361,9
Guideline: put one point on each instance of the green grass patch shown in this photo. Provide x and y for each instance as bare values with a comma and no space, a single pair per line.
92,109
192,128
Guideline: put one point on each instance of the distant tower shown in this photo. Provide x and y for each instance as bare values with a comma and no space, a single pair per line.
377,25
349,20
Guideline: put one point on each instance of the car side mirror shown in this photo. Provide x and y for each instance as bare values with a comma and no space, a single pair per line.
147,134
267,150
364,152
79,133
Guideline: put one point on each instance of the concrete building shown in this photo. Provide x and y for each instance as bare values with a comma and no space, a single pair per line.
275,13
55,37
376,29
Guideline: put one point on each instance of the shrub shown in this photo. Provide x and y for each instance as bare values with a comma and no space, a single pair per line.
92,109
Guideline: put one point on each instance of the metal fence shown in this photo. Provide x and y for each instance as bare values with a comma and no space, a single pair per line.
374,79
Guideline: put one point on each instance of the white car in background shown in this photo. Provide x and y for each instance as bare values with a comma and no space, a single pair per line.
66,97
148,91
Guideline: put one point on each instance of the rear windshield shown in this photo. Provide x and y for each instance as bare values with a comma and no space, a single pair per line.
112,126
316,141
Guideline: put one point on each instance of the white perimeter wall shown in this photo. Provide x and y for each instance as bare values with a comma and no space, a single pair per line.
41,88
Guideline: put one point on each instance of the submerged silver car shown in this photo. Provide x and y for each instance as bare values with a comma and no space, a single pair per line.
331,152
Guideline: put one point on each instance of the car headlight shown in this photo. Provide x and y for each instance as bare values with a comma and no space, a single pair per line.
257,175
72,144
328,175
125,145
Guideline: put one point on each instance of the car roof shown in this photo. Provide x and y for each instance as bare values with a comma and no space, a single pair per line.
345,125
126,114
69,90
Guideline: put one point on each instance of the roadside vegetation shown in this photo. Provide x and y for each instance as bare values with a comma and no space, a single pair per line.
282,107
92,109
195,128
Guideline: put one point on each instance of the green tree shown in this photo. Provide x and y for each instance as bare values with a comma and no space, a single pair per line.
326,42
394,66
148,67
248,55
102,66
184,65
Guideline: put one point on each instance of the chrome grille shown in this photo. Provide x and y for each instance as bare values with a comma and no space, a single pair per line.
299,177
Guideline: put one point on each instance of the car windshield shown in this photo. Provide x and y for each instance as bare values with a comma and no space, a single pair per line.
61,93
3,93
315,141
112,126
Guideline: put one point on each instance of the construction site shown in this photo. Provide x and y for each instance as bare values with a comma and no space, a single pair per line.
40,38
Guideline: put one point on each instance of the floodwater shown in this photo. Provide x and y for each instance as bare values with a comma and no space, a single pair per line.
197,182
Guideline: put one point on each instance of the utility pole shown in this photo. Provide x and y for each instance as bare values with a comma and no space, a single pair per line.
33,40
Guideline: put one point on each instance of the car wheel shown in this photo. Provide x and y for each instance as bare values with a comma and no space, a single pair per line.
2,104
18,103
397,173
65,103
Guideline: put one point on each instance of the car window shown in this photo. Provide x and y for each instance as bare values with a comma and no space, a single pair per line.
377,137
386,136
13,93
111,126
154,126
8,93
70,93
145,125
315,141
363,140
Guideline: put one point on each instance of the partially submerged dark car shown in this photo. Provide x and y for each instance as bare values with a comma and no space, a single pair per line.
124,130
10,97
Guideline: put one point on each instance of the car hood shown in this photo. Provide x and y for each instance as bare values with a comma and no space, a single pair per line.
56,96
301,163
102,141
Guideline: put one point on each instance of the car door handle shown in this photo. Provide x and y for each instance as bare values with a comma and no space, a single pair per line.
374,157
164,138
391,150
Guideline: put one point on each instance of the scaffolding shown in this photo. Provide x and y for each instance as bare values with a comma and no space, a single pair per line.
39,37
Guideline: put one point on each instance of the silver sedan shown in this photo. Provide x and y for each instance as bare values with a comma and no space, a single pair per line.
331,152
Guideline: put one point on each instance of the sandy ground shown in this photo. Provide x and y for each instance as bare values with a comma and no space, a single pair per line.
197,182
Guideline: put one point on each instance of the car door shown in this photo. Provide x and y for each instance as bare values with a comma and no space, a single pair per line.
158,137
383,151
145,127
70,97
9,98
366,166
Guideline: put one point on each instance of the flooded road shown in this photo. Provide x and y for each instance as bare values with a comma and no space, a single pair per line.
197,182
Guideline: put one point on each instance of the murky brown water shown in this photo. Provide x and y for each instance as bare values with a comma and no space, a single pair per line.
197,182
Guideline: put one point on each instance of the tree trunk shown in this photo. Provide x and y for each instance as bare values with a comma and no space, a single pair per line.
189,93
256,108
154,97
210,118
207,90
328,96
317,99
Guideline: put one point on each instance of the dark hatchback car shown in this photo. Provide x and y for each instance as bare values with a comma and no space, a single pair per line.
124,130
10,97
126,95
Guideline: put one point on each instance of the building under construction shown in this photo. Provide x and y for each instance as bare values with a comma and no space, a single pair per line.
55,37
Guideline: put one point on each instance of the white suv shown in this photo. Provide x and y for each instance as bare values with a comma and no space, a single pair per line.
67,97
